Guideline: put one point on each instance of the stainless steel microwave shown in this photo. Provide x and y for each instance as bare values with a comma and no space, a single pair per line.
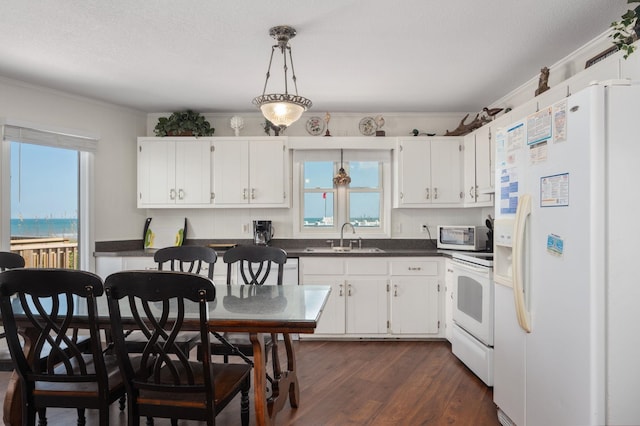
461,237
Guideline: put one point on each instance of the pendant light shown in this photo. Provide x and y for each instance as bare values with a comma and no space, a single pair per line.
342,178
282,109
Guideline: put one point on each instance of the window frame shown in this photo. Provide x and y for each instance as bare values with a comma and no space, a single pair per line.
85,144
341,197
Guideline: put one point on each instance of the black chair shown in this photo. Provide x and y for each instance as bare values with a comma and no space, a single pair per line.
47,302
254,265
8,260
171,386
193,259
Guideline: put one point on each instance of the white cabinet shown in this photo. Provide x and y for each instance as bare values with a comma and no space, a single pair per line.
174,172
250,172
376,297
428,172
107,265
414,297
478,172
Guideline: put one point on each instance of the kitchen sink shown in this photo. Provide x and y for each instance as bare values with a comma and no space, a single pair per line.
343,250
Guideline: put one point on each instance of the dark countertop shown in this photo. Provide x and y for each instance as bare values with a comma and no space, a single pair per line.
294,248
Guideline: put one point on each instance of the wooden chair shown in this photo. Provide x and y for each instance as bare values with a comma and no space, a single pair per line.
192,259
174,386
254,265
47,302
8,260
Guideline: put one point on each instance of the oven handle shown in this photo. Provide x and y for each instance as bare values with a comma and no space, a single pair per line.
470,267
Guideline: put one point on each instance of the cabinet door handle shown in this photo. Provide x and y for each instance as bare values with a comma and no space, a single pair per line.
172,194
244,193
435,193
349,290
253,193
476,193
395,290
471,193
180,194
428,195
340,292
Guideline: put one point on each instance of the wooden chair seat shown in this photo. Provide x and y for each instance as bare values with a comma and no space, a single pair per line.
175,386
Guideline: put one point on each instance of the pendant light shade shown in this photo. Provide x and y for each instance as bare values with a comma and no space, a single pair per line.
282,109
341,178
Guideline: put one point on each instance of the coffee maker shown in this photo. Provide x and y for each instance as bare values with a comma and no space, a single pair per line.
262,232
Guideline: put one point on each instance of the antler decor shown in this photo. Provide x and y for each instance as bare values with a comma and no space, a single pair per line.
463,128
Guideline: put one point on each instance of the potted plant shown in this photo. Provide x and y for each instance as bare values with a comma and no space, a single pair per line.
626,31
186,123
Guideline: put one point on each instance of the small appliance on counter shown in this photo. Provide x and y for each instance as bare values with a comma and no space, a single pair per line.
262,232
462,237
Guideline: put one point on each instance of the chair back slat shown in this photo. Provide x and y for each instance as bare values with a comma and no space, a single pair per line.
187,259
255,263
47,301
10,260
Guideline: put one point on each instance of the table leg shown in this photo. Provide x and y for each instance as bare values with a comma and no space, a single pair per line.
260,380
287,380
12,408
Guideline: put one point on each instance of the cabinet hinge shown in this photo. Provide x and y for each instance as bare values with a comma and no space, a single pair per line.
140,148
213,195
400,148
388,324
438,324
438,288
388,288
213,148
460,148
141,195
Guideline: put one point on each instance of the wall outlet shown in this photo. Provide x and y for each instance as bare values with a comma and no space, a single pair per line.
424,228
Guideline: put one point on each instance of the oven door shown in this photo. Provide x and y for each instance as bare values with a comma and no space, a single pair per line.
473,300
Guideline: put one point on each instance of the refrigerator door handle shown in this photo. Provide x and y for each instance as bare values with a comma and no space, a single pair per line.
522,213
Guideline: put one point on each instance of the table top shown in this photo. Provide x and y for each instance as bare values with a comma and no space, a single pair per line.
247,308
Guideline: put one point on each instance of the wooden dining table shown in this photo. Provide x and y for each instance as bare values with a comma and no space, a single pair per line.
257,310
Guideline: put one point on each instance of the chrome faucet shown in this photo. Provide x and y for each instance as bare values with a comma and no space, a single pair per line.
342,232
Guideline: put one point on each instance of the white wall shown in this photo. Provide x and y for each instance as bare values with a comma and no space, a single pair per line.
114,194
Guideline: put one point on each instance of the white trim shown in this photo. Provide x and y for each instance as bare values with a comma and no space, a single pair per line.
60,138
86,212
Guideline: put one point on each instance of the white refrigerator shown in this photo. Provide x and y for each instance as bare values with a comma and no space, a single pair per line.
567,299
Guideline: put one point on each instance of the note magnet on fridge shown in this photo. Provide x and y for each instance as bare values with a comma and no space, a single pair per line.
555,245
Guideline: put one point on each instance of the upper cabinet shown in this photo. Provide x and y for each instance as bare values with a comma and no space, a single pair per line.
252,172
478,168
174,172
428,172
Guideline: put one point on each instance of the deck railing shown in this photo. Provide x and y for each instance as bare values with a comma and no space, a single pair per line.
55,252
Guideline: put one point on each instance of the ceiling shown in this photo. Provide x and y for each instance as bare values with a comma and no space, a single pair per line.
349,55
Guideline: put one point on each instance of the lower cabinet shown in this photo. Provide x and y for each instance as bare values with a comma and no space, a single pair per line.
376,297
107,265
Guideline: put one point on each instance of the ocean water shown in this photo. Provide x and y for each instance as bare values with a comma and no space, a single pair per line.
44,228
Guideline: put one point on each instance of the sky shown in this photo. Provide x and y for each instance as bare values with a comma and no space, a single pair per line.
44,182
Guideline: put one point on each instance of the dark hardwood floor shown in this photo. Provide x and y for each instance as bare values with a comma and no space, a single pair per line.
364,383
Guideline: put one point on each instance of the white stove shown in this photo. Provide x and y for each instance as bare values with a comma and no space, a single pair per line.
472,334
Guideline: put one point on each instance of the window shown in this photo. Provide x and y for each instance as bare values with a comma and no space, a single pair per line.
44,205
61,163
323,208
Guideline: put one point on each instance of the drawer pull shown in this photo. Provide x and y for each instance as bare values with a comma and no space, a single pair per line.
415,268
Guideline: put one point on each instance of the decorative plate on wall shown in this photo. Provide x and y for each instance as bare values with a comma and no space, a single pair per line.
315,126
368,126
